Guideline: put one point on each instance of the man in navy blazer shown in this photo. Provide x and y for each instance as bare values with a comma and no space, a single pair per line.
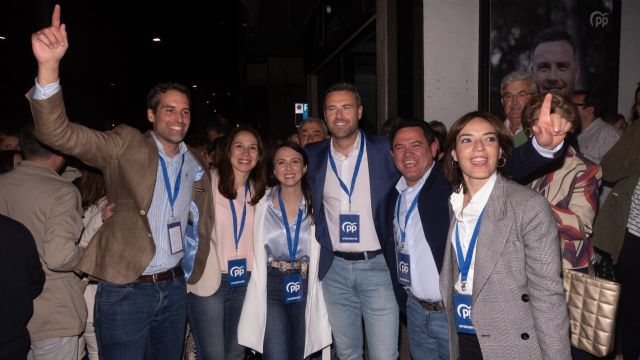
415,252
351,176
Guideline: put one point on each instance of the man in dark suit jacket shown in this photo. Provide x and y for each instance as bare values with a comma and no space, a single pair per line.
19,257
355,189
416,259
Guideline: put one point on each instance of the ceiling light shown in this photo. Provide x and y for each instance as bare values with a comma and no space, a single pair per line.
2,37
194,86
156,39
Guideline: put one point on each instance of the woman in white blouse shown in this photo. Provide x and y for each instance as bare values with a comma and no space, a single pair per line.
500,279
284,314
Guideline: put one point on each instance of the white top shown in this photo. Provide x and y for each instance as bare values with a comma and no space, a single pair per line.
425,279
597,139
336,201
466,223
633,224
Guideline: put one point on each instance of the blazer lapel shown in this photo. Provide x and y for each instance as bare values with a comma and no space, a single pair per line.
494,229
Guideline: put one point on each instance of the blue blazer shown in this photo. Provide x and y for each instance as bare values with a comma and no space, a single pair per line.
383,176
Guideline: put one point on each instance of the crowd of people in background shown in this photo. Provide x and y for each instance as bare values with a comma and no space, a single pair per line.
319,246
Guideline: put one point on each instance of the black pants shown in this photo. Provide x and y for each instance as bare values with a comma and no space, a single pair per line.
469,347
628,273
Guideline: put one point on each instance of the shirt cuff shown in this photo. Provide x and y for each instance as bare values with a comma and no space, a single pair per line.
549,154
45,92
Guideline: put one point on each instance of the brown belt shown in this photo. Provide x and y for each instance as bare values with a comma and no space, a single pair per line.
168,275
427,305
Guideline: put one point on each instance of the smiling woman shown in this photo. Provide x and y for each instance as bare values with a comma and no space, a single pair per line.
504,243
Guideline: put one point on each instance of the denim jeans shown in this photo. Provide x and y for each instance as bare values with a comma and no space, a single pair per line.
357,289
140,321
285,329
214,322
428,332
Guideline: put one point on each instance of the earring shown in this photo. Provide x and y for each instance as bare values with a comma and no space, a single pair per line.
454,164
504,162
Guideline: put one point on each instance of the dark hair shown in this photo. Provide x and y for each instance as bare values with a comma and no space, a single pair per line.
6,160
91,186
440,132
590,101
424,126
613,118
31,147
153,98
345,86
227,182
559,103
452,172
306,189
555,33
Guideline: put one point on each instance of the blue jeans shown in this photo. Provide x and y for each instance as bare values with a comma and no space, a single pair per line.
285,329
140,321
428,332
214,322
357,289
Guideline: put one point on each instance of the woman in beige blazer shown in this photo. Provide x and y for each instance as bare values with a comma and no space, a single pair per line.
215,302
500,279
277,320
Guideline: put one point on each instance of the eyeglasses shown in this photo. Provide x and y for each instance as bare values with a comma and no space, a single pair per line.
508,97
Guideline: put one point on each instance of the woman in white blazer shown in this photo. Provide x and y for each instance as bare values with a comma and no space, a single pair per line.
284,314
500,278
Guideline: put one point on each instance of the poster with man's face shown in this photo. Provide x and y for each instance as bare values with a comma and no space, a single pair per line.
566,45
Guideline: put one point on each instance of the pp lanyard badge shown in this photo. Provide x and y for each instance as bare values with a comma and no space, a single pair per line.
404,259
462,313
292,283
174,228
464,262
237,267
350,222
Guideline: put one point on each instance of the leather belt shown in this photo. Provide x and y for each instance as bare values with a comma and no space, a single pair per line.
427,305
358,256
168,275
284,265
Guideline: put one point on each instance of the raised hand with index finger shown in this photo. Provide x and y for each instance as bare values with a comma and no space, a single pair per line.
551,129
49,46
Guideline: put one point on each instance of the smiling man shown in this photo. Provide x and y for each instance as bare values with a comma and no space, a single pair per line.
162,210
554,61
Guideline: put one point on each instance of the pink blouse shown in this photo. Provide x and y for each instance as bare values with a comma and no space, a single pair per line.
226,249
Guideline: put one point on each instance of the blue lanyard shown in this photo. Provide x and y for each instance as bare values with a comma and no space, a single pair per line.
237,234
403,232
176,187
349,192
293,248
464,263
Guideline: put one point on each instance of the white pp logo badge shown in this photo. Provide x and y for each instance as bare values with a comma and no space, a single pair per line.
464,311
404,267
293,287
237,271
349,227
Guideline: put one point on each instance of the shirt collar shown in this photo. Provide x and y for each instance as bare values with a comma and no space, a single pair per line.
182,147
354,150
477,203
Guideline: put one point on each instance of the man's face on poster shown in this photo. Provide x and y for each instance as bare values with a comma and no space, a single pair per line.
554,67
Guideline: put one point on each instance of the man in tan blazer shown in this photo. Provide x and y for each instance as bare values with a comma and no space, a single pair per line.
49,206
162,218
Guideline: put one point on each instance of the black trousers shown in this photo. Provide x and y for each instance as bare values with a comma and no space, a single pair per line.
469,347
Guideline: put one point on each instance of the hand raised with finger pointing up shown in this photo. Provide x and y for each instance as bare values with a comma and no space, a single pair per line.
49,46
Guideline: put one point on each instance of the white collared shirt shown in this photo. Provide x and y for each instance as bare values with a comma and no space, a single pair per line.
336,201
425,279
466,222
